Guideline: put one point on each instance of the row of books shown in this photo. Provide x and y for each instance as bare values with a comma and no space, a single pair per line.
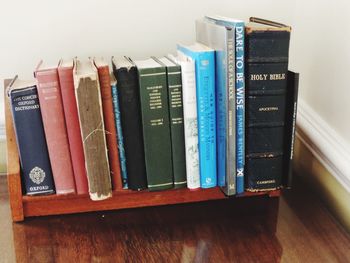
161,123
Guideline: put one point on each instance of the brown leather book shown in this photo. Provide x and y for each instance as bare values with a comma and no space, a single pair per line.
88,96
65,73
108,116
55,127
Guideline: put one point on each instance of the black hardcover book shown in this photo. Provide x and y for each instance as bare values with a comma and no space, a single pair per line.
264,171
129,101
290,125
267,46
35,163
265,140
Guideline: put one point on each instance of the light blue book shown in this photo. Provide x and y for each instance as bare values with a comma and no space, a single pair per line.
204,59
238,27
118,126
221,39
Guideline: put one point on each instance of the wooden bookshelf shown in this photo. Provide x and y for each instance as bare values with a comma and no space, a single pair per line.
23,206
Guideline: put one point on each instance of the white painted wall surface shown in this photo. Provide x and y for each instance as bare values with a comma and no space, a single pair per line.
35,29
320,51
320,43
320,40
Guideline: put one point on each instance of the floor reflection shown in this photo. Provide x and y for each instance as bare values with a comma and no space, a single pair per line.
216,231
295,228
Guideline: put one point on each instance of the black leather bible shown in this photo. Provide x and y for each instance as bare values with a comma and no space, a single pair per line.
34,157
129,102
267,47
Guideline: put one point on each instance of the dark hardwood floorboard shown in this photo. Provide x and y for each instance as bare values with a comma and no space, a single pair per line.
295,228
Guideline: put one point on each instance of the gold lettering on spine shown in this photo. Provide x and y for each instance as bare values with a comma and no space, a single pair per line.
258,76
157,122
231,69
176,121
269,109
176,98
155,100
277,76
272,181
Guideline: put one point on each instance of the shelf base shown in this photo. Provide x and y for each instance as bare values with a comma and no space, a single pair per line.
28,206
68,204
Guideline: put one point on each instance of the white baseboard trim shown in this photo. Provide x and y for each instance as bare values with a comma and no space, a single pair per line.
324,143
2,131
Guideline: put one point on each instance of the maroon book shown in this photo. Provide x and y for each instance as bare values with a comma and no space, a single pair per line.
65,73
50,101
108,117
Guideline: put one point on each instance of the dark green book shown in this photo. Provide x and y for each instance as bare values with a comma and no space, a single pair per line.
174,82
155,123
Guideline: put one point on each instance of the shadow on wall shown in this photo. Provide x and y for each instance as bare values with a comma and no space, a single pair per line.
2,157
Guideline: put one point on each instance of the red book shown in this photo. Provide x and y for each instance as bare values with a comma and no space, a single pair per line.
65,73
108,116
55,128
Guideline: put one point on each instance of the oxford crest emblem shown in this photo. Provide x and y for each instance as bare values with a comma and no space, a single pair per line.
37,175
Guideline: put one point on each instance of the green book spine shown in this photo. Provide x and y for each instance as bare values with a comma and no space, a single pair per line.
156,129
177,125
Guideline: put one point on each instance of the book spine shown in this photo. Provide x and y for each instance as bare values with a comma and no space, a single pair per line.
130,111
55,130
156,128
73,129
240,106
215,37
266,69
177,125
118,126
291,116
221,115
109,122
32,147
205,86
206,112
230,175
87,92
190,124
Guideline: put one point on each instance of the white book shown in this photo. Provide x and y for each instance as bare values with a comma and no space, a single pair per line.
190,119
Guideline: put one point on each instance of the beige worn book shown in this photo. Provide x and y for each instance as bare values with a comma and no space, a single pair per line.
88,96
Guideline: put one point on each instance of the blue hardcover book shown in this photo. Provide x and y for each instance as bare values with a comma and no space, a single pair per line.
221,39
30,136
118,125
238,27
204,59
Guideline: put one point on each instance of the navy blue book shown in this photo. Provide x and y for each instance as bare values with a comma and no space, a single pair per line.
31,142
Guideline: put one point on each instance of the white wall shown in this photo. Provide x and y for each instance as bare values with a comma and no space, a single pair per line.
320,41
321,53
36,29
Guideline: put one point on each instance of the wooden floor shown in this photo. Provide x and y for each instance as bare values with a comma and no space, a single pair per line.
296,228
